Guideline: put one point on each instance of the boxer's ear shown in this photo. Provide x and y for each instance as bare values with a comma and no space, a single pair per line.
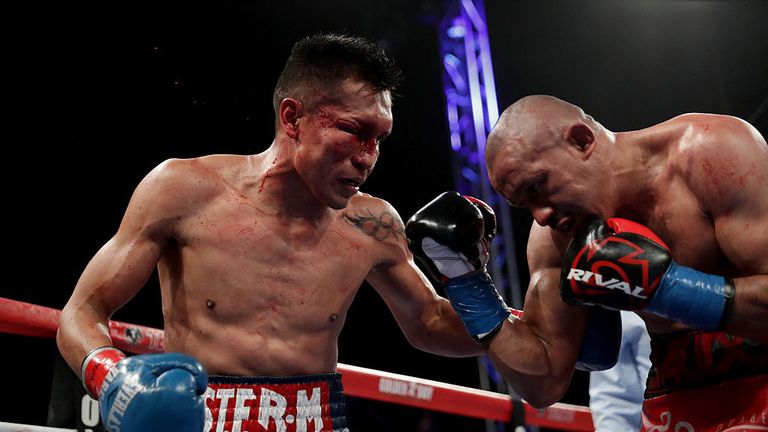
582,138
289,113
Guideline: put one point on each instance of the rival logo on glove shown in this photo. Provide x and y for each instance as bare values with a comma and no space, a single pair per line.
595,269
613,283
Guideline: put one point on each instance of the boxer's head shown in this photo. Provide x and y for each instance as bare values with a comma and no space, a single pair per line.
320,64
539,157
334,103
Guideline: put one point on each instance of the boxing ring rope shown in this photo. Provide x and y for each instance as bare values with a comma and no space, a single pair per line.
15,427
38,321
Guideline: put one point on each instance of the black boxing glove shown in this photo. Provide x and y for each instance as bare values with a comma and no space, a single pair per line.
451,236
620,264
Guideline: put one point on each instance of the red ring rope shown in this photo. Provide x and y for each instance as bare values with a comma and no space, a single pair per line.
33,320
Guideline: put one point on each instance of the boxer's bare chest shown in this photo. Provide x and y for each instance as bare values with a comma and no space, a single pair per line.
689,232
246,249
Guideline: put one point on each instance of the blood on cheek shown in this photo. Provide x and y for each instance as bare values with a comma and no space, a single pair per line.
370,147
342,149
324,119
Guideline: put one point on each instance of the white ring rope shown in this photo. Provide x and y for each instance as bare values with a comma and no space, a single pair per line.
16,427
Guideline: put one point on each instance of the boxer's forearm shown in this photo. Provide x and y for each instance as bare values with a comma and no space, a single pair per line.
447,336
81,329
749,309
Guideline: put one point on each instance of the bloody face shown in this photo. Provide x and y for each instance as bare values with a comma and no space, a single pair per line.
338,143
553,183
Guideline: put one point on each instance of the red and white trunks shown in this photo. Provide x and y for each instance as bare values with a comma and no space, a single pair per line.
304,403
706,382
734,405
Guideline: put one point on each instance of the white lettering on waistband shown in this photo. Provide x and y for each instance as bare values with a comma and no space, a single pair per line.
224,395
274,411
242,412
272,407
308,410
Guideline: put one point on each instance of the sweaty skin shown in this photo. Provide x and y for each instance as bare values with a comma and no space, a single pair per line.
260,256
698,181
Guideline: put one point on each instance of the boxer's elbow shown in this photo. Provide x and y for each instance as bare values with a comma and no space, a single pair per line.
529,369
63,329
64,338
539,390
543,393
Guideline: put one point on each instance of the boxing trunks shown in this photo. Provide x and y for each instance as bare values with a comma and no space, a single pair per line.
304,403
706,382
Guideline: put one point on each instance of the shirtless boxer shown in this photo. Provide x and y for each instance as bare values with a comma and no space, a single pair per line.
690,196
259,258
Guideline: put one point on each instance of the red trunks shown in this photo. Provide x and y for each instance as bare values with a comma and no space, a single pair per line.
306,403
734,405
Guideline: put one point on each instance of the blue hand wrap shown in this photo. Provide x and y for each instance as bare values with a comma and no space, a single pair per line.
479,305
691,297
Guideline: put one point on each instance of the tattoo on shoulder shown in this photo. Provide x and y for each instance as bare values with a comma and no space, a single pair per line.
379,227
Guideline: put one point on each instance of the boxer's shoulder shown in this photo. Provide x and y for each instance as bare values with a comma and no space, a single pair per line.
546,246
712,135
201,177
363,203
375,218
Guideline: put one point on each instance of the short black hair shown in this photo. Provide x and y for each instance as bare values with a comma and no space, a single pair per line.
326,59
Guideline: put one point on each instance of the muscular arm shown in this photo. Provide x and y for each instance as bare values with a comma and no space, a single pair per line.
729,176
537,354
121,267
427,320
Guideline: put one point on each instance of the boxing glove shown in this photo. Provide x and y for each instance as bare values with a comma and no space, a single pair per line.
601,344
146,393
451,236
620,264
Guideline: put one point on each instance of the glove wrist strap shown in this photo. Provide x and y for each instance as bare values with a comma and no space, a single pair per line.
96,366
694,298
475,299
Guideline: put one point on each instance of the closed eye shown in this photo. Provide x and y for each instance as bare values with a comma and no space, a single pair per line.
357,132
537,185
348,129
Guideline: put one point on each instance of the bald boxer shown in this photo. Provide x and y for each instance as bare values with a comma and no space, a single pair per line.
259,259
670,221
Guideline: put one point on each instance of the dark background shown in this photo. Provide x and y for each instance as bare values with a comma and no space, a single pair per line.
98,93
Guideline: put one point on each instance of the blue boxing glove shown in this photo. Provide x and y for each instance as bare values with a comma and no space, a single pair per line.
451,237
146,393
602,340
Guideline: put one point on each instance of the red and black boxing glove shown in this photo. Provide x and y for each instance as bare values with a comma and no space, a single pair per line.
620,264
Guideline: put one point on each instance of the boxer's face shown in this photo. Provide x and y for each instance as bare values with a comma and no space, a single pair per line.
339,144
546,182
